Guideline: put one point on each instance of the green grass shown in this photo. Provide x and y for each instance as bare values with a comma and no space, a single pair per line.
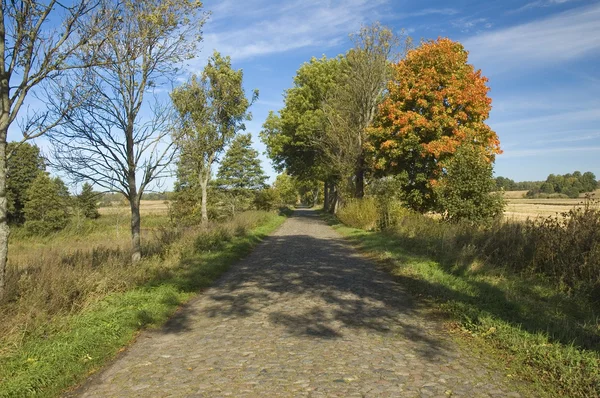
63,352
531,329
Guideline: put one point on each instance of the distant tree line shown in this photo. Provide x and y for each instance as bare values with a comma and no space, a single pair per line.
570,185
506,184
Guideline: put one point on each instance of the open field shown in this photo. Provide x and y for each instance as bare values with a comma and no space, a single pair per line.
158,207
520,208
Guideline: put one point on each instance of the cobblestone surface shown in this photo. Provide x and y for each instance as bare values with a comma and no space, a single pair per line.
304,315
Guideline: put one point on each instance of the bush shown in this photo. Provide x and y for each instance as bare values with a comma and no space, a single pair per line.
360,213
465,193
46,209
266,199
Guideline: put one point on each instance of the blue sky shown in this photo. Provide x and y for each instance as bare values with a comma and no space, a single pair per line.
541,57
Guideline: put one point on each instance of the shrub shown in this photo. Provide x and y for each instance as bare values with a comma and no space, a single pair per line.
46,209
266,199
565,248
465,193
360,213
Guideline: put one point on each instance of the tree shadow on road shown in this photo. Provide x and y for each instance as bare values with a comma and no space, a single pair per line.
318,287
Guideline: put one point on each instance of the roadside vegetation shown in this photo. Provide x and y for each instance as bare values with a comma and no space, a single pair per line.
74,298
526,292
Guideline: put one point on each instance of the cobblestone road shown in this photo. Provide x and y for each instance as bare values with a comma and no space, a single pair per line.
303,315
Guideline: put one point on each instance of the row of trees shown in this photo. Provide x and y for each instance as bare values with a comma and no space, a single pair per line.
571,185
507,184
377,112
39,202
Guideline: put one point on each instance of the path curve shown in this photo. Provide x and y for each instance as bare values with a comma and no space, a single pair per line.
303,315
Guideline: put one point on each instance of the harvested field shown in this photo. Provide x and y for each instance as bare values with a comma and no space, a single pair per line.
158,207
520,208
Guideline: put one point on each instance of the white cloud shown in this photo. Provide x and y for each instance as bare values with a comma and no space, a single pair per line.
279,28
560,38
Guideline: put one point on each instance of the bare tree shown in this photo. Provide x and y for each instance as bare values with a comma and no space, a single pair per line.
39,41
116,137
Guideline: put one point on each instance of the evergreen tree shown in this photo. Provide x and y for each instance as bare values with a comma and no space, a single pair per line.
87,202
47,206
240,169
23,167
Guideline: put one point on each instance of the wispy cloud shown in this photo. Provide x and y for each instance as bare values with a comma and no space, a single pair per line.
578,116
517,153
469,24
431,11
287,26
539,4
560,38
569,136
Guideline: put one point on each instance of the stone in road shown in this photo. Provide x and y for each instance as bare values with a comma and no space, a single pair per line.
303,315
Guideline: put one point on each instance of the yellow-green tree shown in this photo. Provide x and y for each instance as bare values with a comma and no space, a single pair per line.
212,108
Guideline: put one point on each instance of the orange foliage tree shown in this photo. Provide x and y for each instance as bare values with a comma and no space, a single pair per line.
436,102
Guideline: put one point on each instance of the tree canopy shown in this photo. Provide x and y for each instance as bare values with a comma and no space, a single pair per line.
436,102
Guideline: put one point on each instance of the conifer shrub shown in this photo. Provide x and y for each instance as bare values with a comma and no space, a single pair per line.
47,206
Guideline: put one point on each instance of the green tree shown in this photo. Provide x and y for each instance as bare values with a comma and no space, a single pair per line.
87,201
285,189
351,107
212,109
23,166
240,169
47,206
240,174
267,199
465,190
547,188
294,138
589,182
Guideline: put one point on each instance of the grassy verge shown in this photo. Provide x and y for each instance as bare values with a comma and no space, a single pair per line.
62,352
537,333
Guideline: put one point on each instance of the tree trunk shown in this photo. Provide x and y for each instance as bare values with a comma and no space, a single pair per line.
333,198
326,196
204,186
359,181
136,242
4,230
